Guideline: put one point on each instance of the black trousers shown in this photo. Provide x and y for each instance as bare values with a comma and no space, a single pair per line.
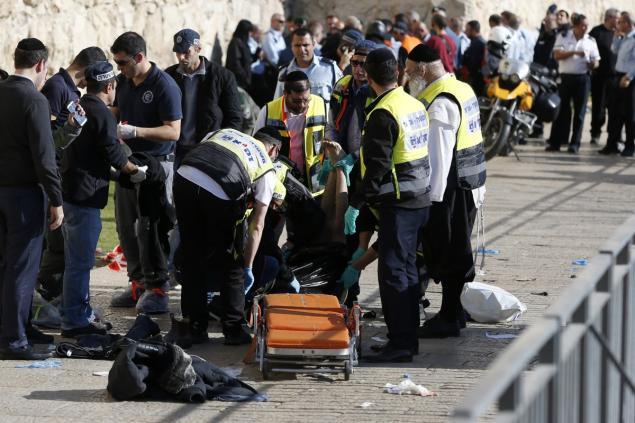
573,89
52,265
599,102
448,248
144,242
208,235
22,214
398,275
621,114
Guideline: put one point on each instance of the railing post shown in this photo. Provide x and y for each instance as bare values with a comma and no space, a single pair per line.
550,354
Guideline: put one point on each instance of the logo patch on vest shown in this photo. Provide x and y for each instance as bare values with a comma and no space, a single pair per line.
147,97
416,128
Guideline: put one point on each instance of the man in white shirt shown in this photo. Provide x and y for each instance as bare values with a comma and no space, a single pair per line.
323,73
300,119
273,41
457,182
577,55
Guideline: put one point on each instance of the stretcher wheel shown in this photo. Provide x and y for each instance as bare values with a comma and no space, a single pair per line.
348,370
265,369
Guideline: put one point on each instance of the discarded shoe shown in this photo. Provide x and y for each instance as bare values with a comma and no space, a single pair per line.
93,328
129,297
153,301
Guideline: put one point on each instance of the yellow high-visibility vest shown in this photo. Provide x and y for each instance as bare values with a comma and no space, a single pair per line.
470,156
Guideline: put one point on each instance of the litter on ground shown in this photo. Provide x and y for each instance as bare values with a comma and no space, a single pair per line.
408,387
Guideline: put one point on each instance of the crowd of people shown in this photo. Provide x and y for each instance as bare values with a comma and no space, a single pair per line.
361,129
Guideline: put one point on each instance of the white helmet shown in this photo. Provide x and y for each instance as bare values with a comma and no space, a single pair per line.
499,40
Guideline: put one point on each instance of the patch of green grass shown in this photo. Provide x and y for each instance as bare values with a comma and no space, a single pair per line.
108,238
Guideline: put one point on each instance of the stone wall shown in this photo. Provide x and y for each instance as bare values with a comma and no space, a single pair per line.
67,26
530,11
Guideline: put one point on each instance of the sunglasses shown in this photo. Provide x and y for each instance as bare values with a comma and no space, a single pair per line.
355,63
124,62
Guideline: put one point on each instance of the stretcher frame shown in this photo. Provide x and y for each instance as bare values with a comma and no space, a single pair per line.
307,360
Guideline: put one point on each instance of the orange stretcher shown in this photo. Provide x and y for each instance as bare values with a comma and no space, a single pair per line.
305,333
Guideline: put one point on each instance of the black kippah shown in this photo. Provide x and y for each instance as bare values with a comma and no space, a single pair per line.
423,53
296,76
380,55
31,44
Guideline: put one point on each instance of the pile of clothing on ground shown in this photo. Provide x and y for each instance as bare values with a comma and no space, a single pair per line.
147,368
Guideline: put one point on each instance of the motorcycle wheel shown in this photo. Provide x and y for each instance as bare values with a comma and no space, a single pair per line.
494,139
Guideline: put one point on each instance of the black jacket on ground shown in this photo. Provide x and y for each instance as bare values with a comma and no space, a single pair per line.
239,62
27,152
86,162
218,101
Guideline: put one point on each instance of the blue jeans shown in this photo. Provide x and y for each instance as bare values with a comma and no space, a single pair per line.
82,226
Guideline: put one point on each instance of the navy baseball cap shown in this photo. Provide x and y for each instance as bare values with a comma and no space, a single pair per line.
99,71
184,39
363,47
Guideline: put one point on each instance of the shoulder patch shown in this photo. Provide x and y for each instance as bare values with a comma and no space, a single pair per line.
326,60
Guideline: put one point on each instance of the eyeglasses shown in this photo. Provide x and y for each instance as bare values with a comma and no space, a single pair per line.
359,63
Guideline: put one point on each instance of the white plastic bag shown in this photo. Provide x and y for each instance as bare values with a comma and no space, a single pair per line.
490,304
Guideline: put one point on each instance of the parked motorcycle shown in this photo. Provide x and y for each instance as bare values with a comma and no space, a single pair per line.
517,98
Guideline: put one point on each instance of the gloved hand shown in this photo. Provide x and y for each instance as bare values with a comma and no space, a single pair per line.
357,254
326,168
249,278
139,176
295,285
349,220
349,277
125,131
347,164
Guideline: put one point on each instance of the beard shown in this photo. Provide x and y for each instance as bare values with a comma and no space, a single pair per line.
416,86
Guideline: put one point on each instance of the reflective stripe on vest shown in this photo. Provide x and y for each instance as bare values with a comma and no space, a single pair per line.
315,124
410,170
470,156
280,192
250,152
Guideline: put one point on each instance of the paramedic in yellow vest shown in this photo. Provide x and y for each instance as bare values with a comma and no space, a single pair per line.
349,99
457,180
300,118
213,186
395,182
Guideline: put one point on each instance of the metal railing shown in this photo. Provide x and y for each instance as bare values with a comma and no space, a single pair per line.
577,362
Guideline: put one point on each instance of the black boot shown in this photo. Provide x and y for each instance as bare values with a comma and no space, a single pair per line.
185,333
438,327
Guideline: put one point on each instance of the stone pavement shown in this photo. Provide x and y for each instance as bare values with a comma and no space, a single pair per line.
541,214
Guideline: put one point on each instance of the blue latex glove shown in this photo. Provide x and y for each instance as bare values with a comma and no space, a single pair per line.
249,279
295,285
326,168
357,254
349,277
347,164
349,220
